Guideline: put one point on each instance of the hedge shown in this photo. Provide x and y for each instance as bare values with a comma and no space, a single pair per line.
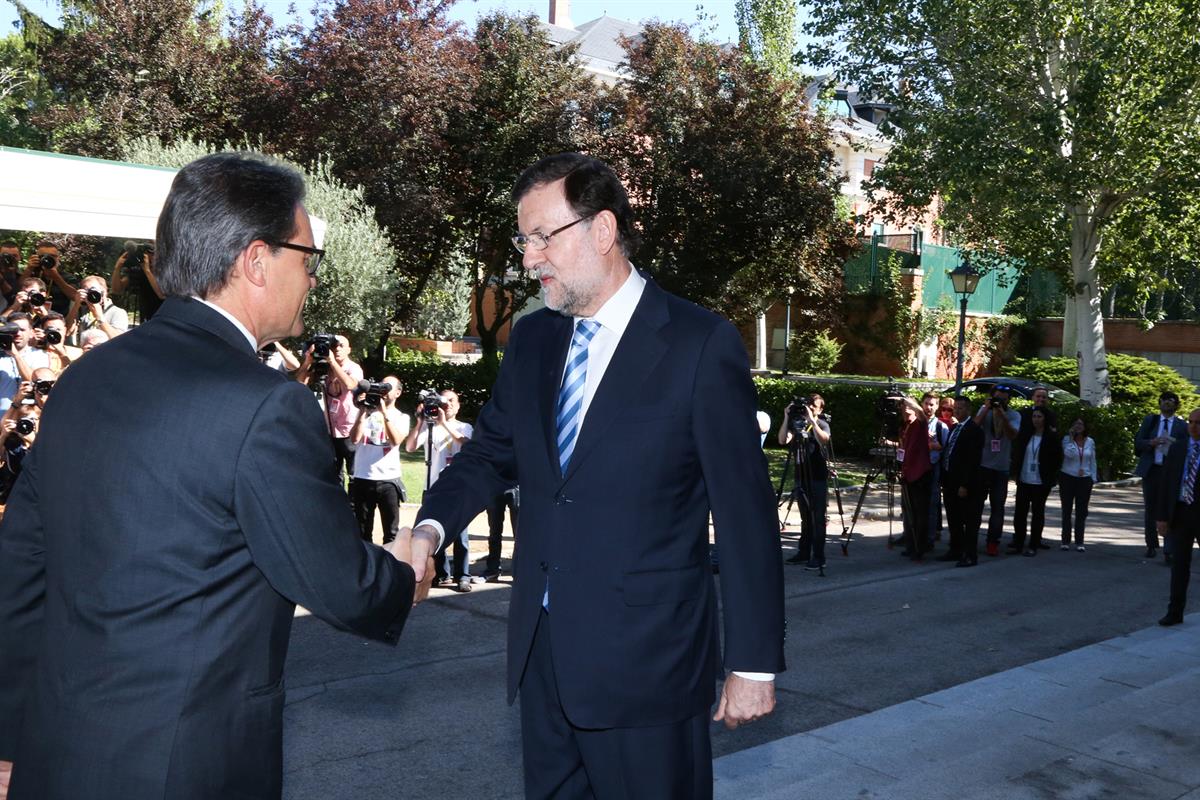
1135,380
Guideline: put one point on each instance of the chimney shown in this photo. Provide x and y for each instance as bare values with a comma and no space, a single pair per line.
560,13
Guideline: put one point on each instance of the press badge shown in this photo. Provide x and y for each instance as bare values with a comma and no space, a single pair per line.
900,454
995,445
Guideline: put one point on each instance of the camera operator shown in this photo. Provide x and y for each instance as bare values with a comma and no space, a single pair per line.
377,434
134,272
31,298
449,435
101,312
1000,427
337,387
10,270
50,338
46,264
803,418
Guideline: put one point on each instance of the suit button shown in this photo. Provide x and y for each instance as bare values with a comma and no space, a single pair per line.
543,566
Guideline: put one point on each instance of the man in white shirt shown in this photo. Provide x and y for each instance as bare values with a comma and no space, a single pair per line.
449,435
377,482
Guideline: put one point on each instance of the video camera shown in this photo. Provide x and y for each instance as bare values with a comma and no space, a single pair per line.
887,411
797,419
133,257
370,395
322,344
431,401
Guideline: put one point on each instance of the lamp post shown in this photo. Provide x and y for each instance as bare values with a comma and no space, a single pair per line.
965,280
787,327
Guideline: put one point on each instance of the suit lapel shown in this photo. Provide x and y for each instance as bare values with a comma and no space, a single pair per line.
638,353
552,362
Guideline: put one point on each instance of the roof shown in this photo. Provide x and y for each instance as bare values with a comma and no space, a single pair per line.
599,43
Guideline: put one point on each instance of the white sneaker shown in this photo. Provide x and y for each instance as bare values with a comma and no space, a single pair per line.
1064,547
1081,548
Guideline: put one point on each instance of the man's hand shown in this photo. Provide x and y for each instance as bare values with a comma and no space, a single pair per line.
416,550
744,700
5,776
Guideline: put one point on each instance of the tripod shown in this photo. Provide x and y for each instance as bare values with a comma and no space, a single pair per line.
886,466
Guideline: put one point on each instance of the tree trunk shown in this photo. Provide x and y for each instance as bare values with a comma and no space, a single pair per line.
1094,385
1069,326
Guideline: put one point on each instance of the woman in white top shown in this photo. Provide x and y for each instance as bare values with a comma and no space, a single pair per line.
1078,477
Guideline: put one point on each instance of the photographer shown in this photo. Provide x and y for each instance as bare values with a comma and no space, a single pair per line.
46,265
18,427
17,359
803,418
330,356
101,312
10,270
50,338
377,435
134,272
1000,427
31,299
437,416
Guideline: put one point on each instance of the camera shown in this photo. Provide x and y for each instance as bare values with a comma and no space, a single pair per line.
43,387
370,395
8,334
47,261
432,401
322,344
797,419
133,258
887,411
53,336
94,296
37,299
25,426
8,261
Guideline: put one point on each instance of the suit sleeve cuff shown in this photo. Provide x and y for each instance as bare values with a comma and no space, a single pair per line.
437,526
755,676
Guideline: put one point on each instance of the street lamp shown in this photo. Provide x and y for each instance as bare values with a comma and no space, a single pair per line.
965,280
787,327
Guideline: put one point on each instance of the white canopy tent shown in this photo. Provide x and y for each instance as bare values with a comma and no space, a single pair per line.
54,193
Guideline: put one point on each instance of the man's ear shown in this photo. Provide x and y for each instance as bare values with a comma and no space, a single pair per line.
604,229
252,263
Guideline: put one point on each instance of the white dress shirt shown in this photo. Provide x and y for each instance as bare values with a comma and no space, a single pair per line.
1164,429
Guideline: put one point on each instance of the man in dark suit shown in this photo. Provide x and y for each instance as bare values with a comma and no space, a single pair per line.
627,415
144,616
1151,444
1179,513
962,486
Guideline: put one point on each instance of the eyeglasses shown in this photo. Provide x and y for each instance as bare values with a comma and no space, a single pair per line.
540,241
313,259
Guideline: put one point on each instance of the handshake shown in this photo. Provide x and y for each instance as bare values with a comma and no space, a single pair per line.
416,548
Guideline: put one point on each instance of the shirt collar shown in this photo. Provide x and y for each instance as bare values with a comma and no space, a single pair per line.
618,309
236,322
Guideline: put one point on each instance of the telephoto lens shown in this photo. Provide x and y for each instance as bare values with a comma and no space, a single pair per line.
37,299
53,336
94,296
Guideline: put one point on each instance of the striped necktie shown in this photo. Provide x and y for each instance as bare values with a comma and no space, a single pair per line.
570,395
1187,493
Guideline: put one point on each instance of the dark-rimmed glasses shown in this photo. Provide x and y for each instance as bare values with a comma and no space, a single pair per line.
540,241
313,257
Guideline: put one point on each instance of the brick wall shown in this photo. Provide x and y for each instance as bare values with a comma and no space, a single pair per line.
1173,344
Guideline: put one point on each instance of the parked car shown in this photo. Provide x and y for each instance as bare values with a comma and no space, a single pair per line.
1021,387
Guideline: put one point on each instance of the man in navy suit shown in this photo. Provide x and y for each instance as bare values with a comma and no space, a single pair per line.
145,614
1153,439
1178,513
627,416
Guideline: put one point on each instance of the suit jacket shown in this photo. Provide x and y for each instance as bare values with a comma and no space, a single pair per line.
179,501
1148,431
1174,464
961,469
1049,456
622,537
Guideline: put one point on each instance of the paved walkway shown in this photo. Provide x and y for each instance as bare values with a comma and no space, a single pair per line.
1117,719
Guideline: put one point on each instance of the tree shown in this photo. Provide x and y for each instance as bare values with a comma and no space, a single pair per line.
767,32
730,175
1034,121
357,284
524,104
374,82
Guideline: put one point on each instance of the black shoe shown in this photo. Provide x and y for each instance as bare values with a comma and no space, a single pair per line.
948,557
1030,553
1171,618
1043,546
1013,550
492,576
813,565
1151,552
797,559
967,561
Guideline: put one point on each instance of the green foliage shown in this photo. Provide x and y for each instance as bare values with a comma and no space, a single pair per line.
418,371
813,353
767,32
855,426
1136,381
443,310
357,285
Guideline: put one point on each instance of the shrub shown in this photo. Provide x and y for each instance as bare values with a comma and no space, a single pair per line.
1135,380
814,354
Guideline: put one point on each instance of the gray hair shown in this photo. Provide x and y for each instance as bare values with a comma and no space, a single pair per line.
217,206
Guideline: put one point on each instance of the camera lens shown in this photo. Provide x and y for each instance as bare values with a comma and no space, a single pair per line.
25,426
53,336
37,299
94,296
46,261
